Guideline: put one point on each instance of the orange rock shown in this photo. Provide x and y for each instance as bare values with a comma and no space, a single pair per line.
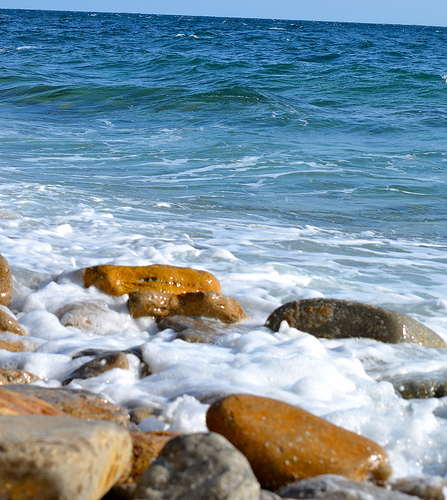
5,282
208,304
146,448
284,443
8,323
118,280
12,403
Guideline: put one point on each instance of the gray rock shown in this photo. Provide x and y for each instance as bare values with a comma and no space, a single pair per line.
420,385
269,495
61,458
336,319
427,488
332,487
199,467
99,365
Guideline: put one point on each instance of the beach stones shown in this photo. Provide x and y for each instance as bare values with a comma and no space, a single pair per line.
8,322
284,443
57,458
199,467
76,403
336,319
119,280
8,376
209,304
5,282
12,403
333,487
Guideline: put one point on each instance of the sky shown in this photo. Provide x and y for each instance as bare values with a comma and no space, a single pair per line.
422,12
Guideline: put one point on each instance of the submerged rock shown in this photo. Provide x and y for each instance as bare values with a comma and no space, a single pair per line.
76,403
420,385
14,343
118,280
87,316
5,282
60,458
8,376
336,319
333,487
208,304
199,467
284,443
99,365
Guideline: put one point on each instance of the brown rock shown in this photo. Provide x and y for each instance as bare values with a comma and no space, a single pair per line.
12,403
99,365
336,319
208,304
427,488
8,376
53,458
5,282
77,403
118,280
284,443
146,448
13,343
85,316
8,323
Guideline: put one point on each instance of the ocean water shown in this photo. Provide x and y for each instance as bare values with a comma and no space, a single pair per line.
291,159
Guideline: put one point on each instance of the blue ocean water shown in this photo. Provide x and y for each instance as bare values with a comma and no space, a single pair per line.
291,159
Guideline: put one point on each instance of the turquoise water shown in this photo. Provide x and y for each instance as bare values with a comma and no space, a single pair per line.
291,159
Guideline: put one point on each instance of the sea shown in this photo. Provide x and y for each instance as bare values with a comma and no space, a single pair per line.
291,159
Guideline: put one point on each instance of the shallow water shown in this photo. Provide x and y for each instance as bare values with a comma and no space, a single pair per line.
290,159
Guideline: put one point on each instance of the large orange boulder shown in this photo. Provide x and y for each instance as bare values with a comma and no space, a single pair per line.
284,443
208,304
119,280
5,282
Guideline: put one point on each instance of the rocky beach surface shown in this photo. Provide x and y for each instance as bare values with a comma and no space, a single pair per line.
63,443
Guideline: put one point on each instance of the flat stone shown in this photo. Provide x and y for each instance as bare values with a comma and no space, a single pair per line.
12,403
119,280
284,443
199,467
76,403
427,488
209,304
8,376
5,282
8,323
333,487
99,365
337,319
60,458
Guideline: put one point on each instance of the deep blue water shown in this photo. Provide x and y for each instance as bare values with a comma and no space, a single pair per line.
329,124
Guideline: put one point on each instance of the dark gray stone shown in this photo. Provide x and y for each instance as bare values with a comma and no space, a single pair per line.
336,319
332,487
199,467
420,385
427,488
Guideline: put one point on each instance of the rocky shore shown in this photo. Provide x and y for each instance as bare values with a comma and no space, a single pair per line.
66,444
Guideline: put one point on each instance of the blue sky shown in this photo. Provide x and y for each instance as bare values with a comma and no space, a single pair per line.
427,12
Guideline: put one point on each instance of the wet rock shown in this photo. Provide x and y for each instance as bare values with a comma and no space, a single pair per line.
76,403
146,448
333,487
8,322
419,385
199,467
8,376
336,319
269,495
99,365
5,282
118,280
12,403
208,304
14,343
139,414
88,317
427,488
284,443
60,458
198,330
